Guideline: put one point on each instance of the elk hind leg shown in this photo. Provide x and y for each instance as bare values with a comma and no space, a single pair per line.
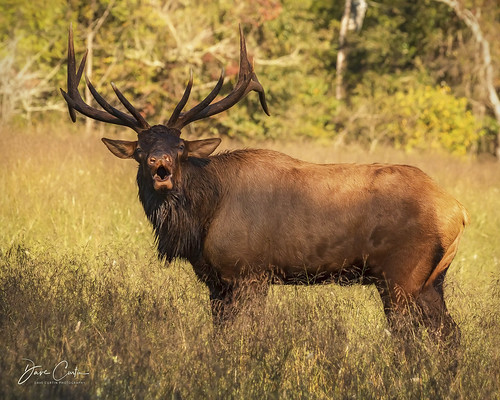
228,300
435,315
399,309
431,298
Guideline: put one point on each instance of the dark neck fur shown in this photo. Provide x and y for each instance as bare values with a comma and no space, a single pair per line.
180,218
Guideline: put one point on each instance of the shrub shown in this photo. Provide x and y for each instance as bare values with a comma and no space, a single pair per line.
431,117
420,116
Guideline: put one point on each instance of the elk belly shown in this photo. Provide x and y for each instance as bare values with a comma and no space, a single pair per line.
286,253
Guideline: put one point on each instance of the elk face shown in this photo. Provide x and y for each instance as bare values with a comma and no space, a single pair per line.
161,152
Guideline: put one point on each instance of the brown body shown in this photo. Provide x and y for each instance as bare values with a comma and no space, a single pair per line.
309,221
248,218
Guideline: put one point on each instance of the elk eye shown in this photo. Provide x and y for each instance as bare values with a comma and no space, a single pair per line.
138,152
181,147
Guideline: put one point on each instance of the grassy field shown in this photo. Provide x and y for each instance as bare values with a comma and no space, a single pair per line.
80,282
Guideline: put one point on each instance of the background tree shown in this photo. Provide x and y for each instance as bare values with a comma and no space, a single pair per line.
408,56
487,71
352,19
341,53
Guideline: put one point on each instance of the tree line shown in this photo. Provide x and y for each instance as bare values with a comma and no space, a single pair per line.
414,74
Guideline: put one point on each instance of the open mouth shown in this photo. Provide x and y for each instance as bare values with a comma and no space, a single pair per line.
162,178
162,173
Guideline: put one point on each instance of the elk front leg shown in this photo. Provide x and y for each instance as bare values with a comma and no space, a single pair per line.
222,303
221,293
228,300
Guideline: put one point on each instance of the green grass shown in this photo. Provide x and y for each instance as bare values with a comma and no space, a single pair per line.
80,281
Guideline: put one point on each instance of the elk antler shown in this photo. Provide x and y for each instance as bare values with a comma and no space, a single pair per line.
111,114
247,81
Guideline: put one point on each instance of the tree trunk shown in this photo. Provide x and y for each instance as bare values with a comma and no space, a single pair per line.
473,24
341,55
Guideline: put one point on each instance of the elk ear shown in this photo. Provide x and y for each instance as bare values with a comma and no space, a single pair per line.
201,148
120,148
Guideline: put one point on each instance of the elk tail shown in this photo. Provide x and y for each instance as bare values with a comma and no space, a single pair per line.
450,253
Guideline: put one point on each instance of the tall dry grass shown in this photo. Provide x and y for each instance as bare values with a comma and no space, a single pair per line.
79,281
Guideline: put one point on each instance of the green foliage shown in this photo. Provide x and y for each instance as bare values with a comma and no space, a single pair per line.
432,118
147,49
418,117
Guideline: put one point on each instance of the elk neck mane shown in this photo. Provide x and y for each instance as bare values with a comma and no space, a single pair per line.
180,217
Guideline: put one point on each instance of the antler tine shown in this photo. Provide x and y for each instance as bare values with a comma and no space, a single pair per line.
247,81
257,87
72,69
131,109
172,122
75,101
104,104
183,119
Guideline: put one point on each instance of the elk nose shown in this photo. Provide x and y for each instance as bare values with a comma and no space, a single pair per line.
154,159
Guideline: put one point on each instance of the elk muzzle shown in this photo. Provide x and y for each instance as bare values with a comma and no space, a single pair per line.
161,167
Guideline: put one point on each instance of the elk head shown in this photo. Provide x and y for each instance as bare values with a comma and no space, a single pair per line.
159,149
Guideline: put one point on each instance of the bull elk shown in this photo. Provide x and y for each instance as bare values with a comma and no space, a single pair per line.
247,216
